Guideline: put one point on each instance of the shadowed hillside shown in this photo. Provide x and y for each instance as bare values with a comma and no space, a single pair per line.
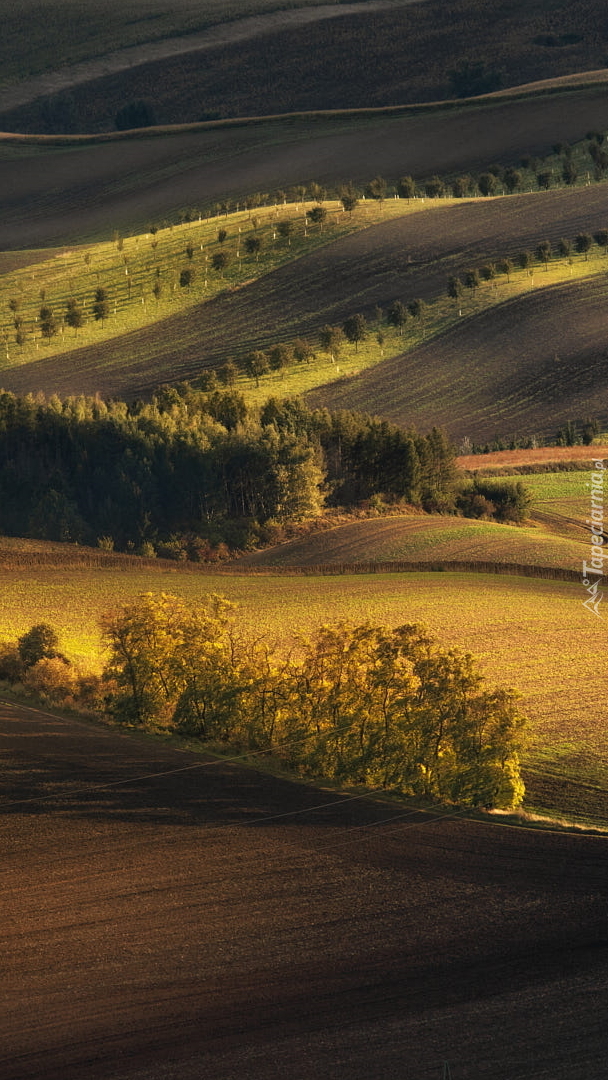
58,191
529,366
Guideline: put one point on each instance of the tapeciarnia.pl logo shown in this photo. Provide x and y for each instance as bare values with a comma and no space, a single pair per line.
593,571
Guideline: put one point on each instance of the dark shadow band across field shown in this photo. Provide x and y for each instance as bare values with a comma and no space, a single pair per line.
167,920
61,191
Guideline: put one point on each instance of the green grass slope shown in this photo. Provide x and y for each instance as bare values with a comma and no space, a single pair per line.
426,538
63,191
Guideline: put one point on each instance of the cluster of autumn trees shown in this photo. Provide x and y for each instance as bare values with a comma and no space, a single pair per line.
34,662
191,467
359,704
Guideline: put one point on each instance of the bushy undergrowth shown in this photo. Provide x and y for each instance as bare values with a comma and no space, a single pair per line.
485,498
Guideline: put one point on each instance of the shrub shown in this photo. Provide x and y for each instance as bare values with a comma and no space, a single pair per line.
12,667
53,678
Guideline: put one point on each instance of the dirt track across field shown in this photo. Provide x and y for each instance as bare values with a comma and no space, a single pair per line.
170,919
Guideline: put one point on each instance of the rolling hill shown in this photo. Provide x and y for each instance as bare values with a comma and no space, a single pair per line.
426,538
59,190
403,258
527,366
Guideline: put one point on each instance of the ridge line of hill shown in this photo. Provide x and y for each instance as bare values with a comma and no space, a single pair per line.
547,88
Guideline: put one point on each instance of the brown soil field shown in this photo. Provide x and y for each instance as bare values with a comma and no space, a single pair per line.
542,455
61,191
167,917
402,259
232,32
346,56
528,366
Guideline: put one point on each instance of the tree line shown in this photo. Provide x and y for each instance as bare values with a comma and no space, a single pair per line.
359,704
190,468
563,166
543,253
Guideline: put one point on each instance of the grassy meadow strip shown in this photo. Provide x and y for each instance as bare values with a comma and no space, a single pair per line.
562,492
144,275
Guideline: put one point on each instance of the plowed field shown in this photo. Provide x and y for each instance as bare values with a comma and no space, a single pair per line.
170,919
65,191
527,366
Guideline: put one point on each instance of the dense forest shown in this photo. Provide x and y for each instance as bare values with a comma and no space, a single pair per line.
191,469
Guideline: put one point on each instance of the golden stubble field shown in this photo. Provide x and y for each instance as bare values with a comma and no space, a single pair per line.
532,634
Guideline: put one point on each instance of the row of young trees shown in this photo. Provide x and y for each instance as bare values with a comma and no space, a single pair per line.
49,321
331,340
561,166
201,466
573,433
543,253
359,704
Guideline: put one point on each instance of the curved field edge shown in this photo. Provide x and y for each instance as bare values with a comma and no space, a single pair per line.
528,633
435,539
549,88
43,199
